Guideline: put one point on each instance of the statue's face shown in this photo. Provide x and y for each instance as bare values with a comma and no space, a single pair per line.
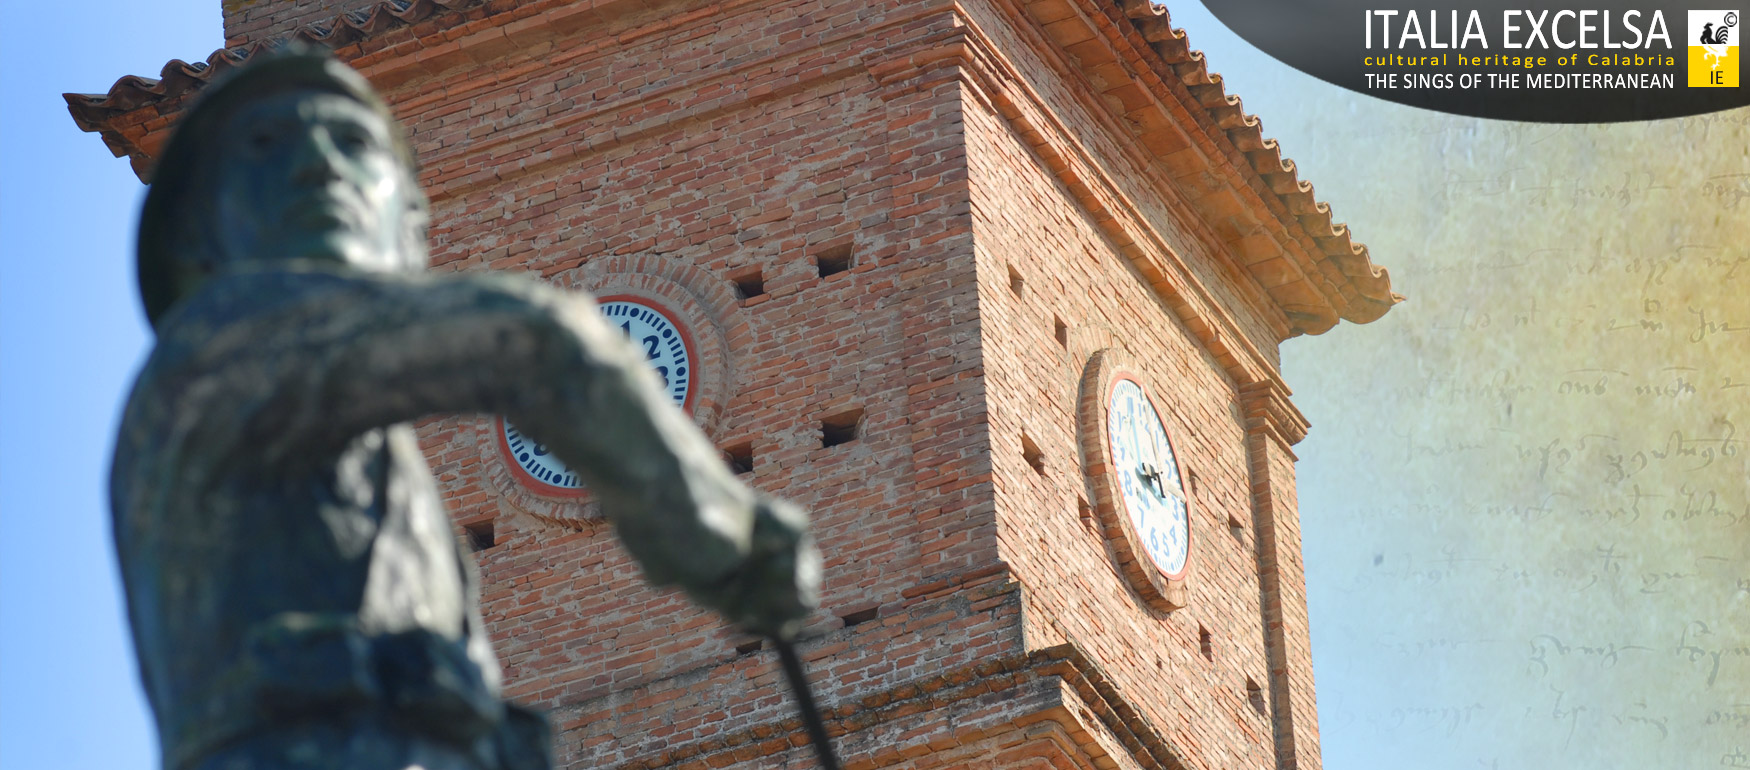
312,175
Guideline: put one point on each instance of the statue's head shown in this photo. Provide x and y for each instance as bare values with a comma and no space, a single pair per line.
291,158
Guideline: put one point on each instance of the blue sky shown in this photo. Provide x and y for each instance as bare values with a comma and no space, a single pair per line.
71,335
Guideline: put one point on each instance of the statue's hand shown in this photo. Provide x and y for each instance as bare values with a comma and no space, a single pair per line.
778,584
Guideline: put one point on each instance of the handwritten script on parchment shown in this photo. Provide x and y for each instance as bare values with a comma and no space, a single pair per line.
1526,495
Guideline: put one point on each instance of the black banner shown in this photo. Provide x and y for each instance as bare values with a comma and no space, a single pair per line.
1586,61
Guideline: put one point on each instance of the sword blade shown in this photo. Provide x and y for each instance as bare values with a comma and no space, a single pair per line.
811,720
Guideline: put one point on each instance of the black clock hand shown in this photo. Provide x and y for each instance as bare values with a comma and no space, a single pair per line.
1152,475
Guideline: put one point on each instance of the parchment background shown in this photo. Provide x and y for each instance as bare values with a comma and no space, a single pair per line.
1527,533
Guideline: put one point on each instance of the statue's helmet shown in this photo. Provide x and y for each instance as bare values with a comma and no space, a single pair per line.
177,250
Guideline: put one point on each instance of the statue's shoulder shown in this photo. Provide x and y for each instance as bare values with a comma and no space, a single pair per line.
243,296
270,294
259,314
240,312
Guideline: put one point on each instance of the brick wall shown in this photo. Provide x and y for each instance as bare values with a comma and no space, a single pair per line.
1079,294
1030,224
695,148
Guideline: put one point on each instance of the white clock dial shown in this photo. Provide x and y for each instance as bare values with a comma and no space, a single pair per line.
536,461
1148,477
667,349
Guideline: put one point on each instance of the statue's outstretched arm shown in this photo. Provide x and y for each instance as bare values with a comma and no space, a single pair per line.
352,351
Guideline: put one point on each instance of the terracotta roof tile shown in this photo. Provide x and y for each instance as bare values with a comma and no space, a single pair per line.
1365,288
178,78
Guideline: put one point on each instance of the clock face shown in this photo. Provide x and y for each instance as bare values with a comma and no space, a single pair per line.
1147,474
666,348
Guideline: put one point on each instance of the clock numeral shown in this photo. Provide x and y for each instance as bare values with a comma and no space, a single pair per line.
659,340
649,342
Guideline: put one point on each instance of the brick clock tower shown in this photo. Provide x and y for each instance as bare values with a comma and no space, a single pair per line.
994,288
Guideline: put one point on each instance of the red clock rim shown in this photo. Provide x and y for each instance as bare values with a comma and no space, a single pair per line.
528,479
549,490
1120,376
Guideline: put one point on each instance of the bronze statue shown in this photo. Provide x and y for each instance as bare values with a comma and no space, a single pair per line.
296,591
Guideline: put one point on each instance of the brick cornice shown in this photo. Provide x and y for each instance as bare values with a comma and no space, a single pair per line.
1067,682
1160,84
1149,81
1268,410
1061,683
1307,264
1000,86
1141,154
136,116
1337,278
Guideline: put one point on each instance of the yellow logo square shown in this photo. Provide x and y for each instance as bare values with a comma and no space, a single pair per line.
1713,49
